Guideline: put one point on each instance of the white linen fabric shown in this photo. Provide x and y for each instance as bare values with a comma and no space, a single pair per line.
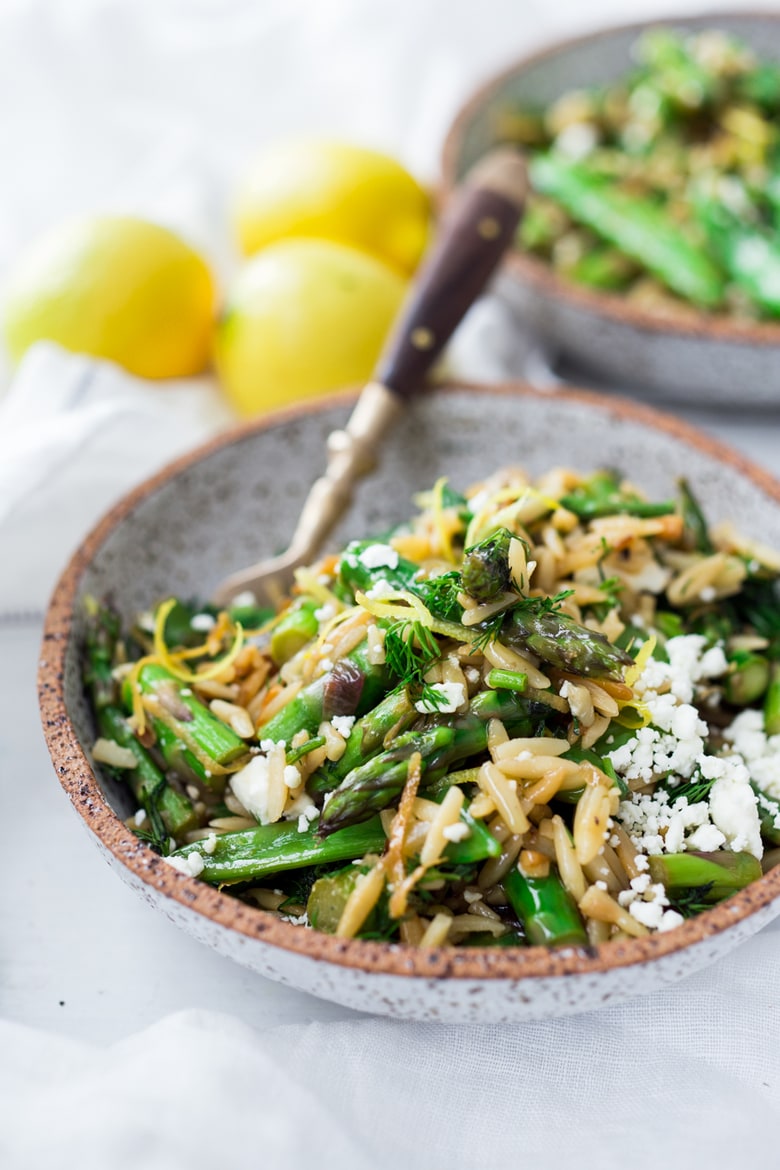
122,1042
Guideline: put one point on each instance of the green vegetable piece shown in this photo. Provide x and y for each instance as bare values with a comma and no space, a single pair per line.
750,256
676,72
603,268
696,526
601,495
723,872
328,897
507,680
546,909
768,815
367,738
563,643
640,229
772,702
485,570
294,629
250,854
214,738
748,679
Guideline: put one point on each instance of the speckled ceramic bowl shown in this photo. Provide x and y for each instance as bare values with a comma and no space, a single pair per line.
236,499
698,357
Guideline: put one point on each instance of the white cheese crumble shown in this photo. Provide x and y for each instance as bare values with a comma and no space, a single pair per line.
309,814
209,844
452,698
244,600
325,612
673,746
379,556
381,591
191,866
252,784
457,832
202,622
342,724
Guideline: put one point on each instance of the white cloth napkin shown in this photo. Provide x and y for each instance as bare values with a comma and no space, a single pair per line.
151,108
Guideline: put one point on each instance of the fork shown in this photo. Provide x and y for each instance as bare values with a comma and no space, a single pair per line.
475,233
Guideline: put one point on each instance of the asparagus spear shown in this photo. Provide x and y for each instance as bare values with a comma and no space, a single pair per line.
310,706
147,782
213,737
772,702
562,642
748,680
250,854
723,873
693,519
485,571
546,909
376,784
293,630
366,739
749,254
601,495
637,227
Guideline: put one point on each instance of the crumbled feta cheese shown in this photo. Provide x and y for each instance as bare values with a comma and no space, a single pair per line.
457,832
244,600
252,784
342,724
309,814
379,556
191,866
203,622
381,591
326,665
734,810
452,698
708,593
325,612
577,140
292,776
650,914
139,817
209,844
670,920
706,839
641,862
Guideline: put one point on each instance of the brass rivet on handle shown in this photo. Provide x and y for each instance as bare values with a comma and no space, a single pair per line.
489,228
422,338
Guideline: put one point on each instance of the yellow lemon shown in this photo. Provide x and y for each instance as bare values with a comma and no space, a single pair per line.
116,288
304,317
334,191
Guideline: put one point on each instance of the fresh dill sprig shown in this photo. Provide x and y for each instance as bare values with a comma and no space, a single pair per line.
156,835
410,652
440,595
691,902
694,790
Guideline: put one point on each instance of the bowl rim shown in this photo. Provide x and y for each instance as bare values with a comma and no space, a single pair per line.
538,275
81,785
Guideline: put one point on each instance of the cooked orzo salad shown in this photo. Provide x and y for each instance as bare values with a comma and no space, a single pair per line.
537,713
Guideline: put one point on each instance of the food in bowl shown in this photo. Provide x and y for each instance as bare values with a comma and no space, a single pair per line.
539,712
664,185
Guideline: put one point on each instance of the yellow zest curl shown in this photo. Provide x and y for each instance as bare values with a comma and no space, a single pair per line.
172,661
403,606
641,661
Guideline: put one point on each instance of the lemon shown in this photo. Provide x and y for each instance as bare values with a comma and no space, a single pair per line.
334,191
116,288
304,317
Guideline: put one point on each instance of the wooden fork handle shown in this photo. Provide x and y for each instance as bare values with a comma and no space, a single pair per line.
476,230
475,233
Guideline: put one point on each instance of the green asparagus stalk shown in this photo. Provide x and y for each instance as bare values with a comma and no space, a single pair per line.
693,518
637,227
601,495
374,785
294,629
308,709
249,854
546,909
507,680
563,643
146,781
748,679
749,255
772,702
367,738
209,734
485,570
723,872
